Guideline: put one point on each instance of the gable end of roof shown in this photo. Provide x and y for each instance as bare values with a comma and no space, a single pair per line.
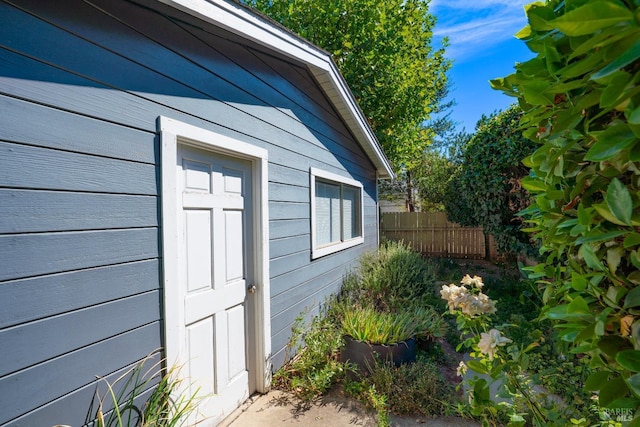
248,23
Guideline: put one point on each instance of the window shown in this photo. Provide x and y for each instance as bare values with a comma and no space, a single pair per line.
336,213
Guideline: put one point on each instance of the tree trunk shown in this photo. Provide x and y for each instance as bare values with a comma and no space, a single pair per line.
410,202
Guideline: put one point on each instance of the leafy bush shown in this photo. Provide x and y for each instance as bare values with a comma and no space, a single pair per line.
581,98
416,388
485,190
313,363
390,279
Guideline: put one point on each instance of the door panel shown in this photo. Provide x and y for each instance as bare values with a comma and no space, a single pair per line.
200,345
233,246
198,249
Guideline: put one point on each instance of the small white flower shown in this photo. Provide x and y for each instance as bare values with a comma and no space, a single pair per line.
475,281
489,342
462,369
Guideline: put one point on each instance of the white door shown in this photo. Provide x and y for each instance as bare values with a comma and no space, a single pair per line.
214,199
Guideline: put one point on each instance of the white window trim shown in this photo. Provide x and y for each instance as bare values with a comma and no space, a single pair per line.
317,252
173,132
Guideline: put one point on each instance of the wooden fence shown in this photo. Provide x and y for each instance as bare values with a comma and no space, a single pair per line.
430,233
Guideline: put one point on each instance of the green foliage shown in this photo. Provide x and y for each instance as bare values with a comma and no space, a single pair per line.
383,49
169,405
313,364
486,189
536,370
416,388
581,98
368,325
371,397
432,177
390,279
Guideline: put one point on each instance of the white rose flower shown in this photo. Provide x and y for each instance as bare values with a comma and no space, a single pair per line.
489,342
473,306
475,281
455,295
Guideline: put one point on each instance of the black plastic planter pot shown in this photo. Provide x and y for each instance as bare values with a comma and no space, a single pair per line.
363,354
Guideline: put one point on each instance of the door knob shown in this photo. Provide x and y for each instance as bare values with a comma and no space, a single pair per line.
252,289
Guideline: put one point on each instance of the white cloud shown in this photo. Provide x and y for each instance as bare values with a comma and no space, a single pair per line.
475,25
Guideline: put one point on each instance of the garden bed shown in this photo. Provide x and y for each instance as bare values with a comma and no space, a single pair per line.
430,386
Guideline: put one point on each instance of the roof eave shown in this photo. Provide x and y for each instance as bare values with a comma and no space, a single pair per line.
249,24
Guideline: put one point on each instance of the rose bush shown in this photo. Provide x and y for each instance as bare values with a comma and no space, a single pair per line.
491,359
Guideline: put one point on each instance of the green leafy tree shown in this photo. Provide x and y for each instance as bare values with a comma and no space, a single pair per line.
432,180
581,97
383,49
485,190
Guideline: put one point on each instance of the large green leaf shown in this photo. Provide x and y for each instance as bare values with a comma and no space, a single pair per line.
590,258
535,92
610,142
634,384
577,310
533,184
611,391
596,380
578,281
592,17
633,239
631,55
634,116
539,17
605,212
619,201
596,236
614,89
611,345
633,298
629,359
478,367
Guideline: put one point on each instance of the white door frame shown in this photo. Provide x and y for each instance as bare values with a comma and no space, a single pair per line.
172,133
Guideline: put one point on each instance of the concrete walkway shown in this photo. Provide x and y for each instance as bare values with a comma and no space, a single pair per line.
278,408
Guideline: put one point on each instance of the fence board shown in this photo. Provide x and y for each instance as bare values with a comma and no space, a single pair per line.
432,234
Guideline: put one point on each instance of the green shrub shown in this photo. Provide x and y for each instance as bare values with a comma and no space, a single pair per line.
581,97
312,366
416,388
390,279
485,191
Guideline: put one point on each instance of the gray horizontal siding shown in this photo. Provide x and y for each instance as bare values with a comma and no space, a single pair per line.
36,298
287,304
28,211
52,128
288,210
81,403
27,255
289,245
289,193
291,282
30,343
79,183
25,166
288,228
286,263
40,384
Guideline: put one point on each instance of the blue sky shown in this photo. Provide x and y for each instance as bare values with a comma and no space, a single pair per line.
483,47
